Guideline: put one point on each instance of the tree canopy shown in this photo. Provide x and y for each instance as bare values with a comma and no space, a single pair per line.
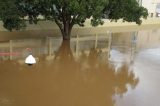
66,13
11,16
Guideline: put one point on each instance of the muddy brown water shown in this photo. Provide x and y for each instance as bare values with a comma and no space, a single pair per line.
82,73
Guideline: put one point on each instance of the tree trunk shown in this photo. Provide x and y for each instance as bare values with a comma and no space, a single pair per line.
66,32
66,35
65,29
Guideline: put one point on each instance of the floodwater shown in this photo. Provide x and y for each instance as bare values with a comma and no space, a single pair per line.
118,70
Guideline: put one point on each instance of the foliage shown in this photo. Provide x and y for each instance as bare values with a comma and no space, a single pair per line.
67,13
128,10
10,15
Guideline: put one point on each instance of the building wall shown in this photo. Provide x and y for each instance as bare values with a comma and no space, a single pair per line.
151,6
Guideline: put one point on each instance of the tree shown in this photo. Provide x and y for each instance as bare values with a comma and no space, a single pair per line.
11,16
67,13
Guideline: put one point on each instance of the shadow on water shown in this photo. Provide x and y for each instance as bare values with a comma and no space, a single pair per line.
64,81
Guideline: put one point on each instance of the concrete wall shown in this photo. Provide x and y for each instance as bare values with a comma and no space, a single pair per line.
44,29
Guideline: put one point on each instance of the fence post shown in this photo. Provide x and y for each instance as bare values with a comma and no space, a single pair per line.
133,44
109,42
10,49
96,40
50,47
77,44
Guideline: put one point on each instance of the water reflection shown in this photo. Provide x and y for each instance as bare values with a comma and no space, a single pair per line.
87,71
90,80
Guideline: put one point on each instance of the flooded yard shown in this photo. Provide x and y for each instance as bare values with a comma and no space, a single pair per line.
114,69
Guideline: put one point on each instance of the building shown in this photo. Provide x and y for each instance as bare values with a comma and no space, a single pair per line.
153,6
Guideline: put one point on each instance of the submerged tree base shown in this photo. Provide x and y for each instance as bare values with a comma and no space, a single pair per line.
66,38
